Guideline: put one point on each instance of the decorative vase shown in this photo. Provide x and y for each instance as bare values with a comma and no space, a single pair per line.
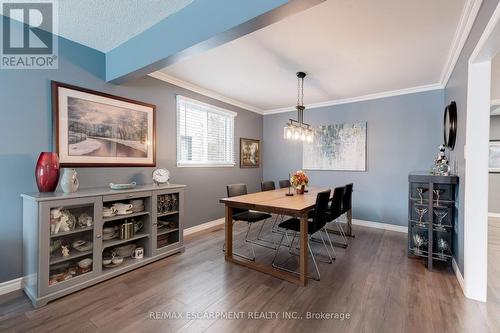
69,181
47,172
300,189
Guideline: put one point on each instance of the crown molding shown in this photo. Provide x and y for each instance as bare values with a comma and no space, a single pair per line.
203,91
495,102
467,18
429,87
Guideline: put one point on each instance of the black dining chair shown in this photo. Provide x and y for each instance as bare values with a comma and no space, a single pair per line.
245,215
267,186
315,224
334,212
285,183
347,206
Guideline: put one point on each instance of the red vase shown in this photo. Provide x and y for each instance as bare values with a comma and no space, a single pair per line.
47,172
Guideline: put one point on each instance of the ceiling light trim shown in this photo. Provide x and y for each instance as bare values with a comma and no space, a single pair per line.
467,18
203,91
406,91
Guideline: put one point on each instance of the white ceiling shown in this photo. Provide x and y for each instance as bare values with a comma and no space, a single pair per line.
348,48
105,24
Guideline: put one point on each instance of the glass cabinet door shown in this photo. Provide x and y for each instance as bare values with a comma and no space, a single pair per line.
68,242
167,224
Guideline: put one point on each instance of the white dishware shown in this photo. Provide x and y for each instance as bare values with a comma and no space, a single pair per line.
122,186
122,209
85,263
69,181
137,202
138,253
106,261
109,211
116,260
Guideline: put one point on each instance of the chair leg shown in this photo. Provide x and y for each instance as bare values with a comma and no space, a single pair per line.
314,261
331,244
326,248
259,238
241,255
341,231
278,248
251,241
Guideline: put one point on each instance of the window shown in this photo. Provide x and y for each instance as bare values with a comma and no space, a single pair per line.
205,134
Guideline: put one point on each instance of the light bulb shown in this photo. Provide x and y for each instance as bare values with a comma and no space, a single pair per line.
296,134
287,132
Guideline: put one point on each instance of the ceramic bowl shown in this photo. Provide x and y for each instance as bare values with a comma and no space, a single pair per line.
125,250
117,260
108,230
106,261
85,263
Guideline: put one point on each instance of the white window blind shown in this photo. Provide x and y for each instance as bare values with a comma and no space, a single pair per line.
205,134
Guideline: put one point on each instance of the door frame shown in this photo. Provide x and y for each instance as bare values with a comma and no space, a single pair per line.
476,154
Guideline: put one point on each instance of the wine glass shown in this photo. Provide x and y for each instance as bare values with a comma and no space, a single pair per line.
418,240
421,212
174,202
440,214
442,246
421,191
169,203
438,192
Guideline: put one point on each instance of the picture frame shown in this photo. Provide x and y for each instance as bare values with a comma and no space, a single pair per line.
95,129
494,156
249,153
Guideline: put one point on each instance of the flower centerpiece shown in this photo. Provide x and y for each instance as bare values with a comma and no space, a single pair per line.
299,180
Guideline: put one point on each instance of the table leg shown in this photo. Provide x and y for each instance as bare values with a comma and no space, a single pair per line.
303,249
229,232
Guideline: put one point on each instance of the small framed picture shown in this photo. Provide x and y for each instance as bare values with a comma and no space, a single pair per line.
494,163
249,153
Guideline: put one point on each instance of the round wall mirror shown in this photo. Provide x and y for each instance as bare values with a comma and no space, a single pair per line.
450,125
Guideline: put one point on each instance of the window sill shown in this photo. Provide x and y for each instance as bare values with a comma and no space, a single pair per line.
206,165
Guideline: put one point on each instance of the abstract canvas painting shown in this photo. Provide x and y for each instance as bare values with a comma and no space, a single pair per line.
97,129
337,147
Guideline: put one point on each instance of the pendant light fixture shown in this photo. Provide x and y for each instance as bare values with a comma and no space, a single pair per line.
297,130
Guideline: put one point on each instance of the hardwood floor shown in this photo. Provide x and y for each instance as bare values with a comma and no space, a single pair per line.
372,280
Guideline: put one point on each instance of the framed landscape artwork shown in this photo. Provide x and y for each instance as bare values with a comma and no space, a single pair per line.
340,147
95,129
249,153
494,163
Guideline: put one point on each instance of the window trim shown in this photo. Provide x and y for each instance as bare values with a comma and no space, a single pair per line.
214,109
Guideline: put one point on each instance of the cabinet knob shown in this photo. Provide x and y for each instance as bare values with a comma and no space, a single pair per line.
98,236
130,195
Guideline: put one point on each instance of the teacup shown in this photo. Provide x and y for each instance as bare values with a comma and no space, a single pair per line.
106,260
116,260
122,208
109,211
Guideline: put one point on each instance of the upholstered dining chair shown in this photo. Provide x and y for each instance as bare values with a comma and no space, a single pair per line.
315,225
285,183
267,185
245,215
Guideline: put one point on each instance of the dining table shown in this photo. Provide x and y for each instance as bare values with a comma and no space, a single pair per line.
274,202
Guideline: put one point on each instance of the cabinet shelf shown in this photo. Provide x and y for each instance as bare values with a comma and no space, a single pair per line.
72,255
126,262
127,216
72,232
168,213
111,243
164,231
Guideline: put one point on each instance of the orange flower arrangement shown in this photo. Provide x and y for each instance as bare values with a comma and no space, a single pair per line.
299,179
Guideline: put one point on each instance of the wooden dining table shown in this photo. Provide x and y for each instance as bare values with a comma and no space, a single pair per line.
276,202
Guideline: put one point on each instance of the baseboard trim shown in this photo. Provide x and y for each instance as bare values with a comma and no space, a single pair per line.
459,276
494,215
379,225
10,286
203,226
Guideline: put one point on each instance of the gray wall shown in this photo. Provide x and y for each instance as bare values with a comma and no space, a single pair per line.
456,90
494,178
26,131
403,135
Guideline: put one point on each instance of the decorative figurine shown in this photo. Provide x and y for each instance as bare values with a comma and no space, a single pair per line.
441,167
84,220
65,250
